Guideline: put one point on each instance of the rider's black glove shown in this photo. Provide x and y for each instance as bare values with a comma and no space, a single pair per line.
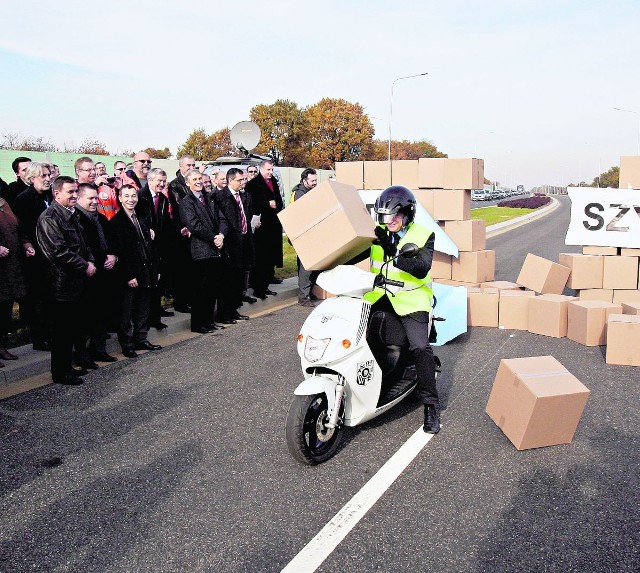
384,240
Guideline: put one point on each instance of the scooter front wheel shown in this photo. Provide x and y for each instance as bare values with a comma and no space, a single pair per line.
308,438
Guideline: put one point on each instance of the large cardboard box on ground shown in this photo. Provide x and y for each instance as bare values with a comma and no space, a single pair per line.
405,172
513,311
631,308
620,272
600,251
623,340
586,270
425,198
328,226
456,283
626,296
605,294
431,172
628,252
482,307
350,173
474,267
464,174
629,172
451,204
377,175
536,402
470,235
548,314
441,266
542,275
587,321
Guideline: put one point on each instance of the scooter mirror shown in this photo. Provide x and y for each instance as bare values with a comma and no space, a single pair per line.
409,250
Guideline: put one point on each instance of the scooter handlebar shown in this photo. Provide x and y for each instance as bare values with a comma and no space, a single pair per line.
390,282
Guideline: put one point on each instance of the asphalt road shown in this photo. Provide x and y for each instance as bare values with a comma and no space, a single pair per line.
177,462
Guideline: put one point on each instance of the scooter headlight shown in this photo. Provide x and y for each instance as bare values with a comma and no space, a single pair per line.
314,348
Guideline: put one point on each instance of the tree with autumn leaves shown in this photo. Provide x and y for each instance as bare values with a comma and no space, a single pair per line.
317,136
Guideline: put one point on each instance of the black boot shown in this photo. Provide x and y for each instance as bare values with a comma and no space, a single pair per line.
431,419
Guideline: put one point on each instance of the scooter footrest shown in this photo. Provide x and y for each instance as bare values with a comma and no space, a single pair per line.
395,391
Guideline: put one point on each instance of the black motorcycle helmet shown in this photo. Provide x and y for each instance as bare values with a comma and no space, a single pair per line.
395,199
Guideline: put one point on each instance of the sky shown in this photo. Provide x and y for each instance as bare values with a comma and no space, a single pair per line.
527,85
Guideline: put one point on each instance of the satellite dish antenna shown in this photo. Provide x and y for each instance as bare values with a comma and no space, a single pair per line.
245,136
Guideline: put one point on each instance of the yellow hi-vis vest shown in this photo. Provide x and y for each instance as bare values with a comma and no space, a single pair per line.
417,294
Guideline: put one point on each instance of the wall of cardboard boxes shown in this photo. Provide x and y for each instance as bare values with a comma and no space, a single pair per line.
535,401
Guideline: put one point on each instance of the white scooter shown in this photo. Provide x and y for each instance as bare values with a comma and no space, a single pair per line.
356,366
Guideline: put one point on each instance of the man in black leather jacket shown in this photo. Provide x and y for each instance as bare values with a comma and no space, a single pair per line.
70,265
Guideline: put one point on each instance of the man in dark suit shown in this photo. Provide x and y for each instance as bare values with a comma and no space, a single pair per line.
153,208
180,283
28,207
19,166
238,245
70,264
207,226
97,302
267,202
137,271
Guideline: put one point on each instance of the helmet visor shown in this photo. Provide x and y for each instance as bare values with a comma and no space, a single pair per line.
385,219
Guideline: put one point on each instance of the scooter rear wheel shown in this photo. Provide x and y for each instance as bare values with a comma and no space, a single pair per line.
308,439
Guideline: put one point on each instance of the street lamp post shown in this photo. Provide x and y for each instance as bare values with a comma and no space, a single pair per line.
391,110
638,116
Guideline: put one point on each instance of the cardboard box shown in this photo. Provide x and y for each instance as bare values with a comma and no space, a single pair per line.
631,308
626,296
620,272
328,226
425,198
457,283
623,340
600,251
431,172
464,174
513,311
625,252
451,204
501,285
405,172
536,402
548,314
605,294
377,174
474,267
587,321
470,235
482,307
542,275
586,270
629,172
441,266
350,173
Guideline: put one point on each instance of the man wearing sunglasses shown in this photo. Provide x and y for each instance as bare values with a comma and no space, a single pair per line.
141,167
252,172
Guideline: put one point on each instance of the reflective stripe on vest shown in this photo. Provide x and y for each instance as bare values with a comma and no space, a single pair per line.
416,294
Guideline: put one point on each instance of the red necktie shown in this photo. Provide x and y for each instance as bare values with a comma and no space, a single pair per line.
243,219
201,199
155,202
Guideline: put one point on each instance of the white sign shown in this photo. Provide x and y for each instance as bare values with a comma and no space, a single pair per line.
604,217
442,241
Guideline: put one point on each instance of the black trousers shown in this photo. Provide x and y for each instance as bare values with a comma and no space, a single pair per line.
66,319
230,291
416,327
96,305
205,289
6,310
134,316
35,307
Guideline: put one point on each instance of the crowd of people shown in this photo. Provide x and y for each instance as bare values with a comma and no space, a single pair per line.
95,254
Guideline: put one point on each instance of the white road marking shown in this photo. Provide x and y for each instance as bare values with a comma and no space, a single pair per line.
330,536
